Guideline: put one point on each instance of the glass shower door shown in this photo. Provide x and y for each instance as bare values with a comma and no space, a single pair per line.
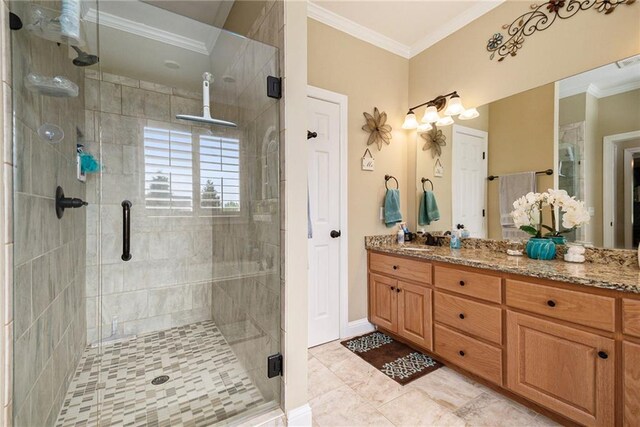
157,301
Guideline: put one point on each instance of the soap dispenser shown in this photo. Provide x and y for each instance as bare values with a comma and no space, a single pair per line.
400,235
454,243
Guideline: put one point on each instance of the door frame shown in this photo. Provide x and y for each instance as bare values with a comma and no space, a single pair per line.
455,152
628,195
608,183
343,103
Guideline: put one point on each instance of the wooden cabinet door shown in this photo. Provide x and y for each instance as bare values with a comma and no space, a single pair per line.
414,314
567,370
383,302
631,383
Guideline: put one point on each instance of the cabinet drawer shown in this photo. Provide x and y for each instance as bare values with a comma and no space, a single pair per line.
477,357
463,282
631,317
472,317
577,307
417,271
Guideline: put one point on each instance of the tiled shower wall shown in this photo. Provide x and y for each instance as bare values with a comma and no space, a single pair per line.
49,255
6,235
248,309
167,282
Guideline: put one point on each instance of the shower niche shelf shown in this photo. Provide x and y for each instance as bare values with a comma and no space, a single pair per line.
45,23
58,86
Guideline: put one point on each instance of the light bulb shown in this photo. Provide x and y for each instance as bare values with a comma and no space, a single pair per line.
431,115
454,106
445,121
410,121
469,114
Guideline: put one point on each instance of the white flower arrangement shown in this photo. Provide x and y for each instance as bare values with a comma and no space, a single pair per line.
527,213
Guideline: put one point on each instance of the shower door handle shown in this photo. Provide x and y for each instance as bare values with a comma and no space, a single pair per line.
126,230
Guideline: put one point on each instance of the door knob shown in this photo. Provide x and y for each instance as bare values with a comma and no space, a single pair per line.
335,233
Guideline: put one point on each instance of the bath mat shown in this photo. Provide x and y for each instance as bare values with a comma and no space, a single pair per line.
394,359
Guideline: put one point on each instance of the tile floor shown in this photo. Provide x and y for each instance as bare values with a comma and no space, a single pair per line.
344,390
206,383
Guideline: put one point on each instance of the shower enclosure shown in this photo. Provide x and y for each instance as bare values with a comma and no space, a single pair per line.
153,298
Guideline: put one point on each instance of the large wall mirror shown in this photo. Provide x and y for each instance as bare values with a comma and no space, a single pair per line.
580,134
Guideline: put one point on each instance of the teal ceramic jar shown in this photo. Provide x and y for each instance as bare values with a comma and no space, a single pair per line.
559,240
541,249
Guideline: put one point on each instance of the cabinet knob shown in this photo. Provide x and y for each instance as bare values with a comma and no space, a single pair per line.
398,290
461,315
393,288
395,267
602,355
551,303
461,282
461,353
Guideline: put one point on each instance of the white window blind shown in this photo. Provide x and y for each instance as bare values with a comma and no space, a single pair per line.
219,174
168,164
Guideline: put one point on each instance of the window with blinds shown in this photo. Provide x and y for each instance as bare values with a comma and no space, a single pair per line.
191,173
219,174
168,167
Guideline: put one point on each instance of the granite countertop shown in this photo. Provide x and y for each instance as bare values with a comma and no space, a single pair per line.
608,276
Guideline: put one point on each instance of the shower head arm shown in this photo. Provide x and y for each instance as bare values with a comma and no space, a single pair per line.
205,99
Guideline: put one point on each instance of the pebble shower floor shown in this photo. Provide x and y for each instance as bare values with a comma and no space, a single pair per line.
206,382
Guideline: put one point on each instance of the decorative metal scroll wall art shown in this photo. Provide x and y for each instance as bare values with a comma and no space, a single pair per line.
541,17
379,130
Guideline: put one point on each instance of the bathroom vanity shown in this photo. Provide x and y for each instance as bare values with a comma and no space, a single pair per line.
561,338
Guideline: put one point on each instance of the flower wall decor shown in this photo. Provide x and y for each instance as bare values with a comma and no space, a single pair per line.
539,18
527,213
379,130
434,141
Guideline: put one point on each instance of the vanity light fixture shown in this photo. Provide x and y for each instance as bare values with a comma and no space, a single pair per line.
453,105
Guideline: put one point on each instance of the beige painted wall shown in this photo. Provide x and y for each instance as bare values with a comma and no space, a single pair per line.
460,61
521,129
370,77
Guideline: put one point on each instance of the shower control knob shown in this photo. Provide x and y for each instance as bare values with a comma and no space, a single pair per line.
335,234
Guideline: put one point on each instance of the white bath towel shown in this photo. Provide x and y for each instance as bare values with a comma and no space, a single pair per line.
511,188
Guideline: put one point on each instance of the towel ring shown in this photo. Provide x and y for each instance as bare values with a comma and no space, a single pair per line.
386,180
423,180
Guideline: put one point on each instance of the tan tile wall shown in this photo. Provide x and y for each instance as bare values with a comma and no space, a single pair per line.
49,256
6,264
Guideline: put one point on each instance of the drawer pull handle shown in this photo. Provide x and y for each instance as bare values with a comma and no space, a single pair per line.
602,355
461,315
395,267
551,303
461,353
461,282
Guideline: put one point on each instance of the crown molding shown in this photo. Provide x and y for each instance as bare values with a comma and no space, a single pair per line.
147,31
454,25
319,13
596,92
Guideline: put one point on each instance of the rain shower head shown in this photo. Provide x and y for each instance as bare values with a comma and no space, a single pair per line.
206,112
84,59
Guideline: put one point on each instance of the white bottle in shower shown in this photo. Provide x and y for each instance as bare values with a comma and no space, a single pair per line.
70,21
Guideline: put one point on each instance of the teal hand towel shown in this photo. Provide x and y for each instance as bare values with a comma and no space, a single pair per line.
428,211
392,213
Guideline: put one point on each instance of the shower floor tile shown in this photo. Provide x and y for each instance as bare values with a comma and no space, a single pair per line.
206,382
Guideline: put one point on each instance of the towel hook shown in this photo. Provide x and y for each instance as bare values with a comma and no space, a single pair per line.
423,180
387,178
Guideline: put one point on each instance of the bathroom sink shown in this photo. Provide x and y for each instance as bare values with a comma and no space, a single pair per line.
417,249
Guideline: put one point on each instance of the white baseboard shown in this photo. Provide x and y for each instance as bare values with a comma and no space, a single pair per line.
357,327
300,417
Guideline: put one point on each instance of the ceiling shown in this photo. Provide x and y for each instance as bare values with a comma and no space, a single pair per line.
403,27
136,38
604,81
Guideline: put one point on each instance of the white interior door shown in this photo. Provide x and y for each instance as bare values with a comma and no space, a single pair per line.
469,179
324,201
